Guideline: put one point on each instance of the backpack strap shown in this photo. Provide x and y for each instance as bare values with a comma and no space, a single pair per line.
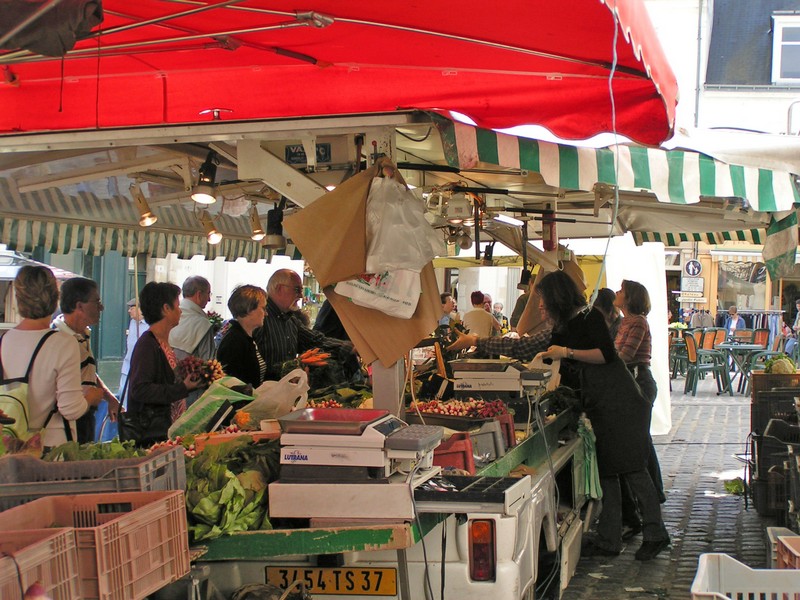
67,428
35,352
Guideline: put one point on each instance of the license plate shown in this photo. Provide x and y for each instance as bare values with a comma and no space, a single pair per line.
344,581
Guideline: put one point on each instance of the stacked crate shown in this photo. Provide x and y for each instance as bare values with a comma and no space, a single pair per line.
129,545
773,423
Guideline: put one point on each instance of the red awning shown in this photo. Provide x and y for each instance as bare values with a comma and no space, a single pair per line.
503,64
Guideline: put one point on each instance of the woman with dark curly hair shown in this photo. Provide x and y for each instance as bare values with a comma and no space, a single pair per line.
153,384
620,416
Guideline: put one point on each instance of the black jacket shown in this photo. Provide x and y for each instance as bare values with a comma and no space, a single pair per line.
237,355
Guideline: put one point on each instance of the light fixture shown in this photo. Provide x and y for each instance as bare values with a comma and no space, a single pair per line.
508,220
488,254
458,209
463,240
255,224
146,216
524,280
212,233
274,238
203,192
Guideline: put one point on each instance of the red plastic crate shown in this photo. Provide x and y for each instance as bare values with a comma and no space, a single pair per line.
788,552
48,556
507,424
456,452
130,544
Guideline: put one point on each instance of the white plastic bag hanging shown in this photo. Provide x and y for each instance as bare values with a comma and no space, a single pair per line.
398,236
395,293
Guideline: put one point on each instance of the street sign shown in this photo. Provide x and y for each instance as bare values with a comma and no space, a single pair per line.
692,268
692,294
692,299
692,284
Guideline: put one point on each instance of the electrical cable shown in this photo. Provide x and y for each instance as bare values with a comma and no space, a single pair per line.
408,137
615,209
554,571
428,588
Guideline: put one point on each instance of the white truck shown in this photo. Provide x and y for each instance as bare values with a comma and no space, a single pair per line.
528,550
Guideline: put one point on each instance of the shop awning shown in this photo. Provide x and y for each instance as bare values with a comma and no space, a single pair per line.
674,176
155,63
60,223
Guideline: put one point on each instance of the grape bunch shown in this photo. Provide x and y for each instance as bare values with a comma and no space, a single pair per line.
471,407
206,370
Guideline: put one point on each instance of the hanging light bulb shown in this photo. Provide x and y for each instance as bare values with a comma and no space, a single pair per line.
274,238
146,216
458,209
255,225
203,192
212,233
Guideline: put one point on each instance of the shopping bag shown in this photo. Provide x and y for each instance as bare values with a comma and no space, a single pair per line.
395,293
195,419
398,236
277,398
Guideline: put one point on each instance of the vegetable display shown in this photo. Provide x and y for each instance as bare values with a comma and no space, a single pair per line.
471,407
780,363
226,487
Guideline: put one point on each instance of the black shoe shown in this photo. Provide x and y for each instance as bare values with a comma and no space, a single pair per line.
591,549
649,550
629,531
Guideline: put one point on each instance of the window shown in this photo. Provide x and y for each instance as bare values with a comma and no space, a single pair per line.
786,49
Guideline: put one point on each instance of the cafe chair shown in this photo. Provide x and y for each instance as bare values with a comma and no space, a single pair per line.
743,336
677,354
699,362
761,337
708,346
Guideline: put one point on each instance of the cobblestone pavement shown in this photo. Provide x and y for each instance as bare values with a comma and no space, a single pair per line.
697,456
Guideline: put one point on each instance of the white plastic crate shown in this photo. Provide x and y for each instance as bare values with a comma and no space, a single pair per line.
722,577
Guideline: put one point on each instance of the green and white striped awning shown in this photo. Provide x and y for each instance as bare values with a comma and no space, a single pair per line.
61,223
674,176
752,236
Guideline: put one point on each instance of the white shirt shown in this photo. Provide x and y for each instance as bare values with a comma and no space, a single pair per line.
55,378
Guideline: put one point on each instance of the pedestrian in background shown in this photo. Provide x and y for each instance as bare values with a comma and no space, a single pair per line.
136,327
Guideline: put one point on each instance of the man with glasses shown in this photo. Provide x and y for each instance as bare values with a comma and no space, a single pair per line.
283,337
81,307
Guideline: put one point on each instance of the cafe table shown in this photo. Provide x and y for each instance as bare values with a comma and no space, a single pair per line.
739,355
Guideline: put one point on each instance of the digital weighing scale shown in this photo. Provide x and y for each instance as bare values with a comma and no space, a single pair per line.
476,376
340,463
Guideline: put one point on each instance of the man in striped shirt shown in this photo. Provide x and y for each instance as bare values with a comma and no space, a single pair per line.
81,307
283,337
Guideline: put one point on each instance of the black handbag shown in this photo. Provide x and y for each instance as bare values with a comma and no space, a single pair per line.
150,424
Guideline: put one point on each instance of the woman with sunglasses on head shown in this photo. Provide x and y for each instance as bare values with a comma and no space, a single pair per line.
620,416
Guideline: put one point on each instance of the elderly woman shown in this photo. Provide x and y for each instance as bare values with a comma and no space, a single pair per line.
619,414
153,384
55,396
238,353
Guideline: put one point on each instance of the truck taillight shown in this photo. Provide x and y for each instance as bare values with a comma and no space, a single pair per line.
482,550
